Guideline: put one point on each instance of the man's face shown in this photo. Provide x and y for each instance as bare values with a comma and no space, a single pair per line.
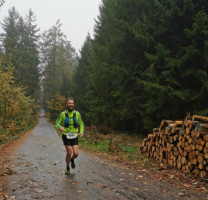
70,105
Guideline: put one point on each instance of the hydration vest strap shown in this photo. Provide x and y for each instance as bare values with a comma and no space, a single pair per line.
66,121
66,114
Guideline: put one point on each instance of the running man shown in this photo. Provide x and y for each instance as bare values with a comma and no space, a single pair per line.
68,122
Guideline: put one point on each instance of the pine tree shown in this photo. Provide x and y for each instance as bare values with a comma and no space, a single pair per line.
148,63
20,43
81,81
57,62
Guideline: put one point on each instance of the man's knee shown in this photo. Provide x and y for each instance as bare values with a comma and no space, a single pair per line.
68,154
75,154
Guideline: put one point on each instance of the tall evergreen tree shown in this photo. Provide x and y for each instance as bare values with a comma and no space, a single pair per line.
21,43
57,62
148,62
81,80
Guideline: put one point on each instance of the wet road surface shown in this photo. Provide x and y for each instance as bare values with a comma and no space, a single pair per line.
38,173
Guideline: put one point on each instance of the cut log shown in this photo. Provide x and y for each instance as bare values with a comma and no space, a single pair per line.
178,164
178,123
184,161
201,166
196,172
205,137
193,161
156,130
199,118
200,158
192,155
202,174
193,124
164,123
187,130
205,150
181,144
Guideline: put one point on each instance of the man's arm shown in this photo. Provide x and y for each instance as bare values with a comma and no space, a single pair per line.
81,125
59,121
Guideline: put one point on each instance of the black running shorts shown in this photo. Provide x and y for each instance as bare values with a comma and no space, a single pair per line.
69,142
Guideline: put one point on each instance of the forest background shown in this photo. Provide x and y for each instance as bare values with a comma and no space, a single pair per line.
147,61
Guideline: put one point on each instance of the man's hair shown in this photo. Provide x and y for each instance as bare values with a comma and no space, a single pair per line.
70,98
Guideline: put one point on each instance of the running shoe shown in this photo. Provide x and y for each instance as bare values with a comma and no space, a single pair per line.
72,163
67,171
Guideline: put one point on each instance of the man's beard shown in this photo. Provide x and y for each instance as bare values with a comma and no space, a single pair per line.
70,109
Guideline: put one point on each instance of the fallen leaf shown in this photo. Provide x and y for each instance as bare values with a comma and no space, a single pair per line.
140,176
135,188
103,186
181,194
171,177
186,185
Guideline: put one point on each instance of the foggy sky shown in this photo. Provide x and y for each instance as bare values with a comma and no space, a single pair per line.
77,16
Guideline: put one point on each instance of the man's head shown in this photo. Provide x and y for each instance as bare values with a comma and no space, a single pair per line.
70,104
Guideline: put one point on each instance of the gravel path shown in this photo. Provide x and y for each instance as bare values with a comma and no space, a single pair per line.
38,173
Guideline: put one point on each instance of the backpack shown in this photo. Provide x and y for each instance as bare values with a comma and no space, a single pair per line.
66,121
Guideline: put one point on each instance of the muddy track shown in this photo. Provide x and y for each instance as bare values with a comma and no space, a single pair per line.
38,173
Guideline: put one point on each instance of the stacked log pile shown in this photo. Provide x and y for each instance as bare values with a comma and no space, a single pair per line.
180,144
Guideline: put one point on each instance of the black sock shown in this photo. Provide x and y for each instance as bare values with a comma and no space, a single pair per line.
68,167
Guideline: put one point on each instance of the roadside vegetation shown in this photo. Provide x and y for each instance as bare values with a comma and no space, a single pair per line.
19,75
18,113
115,145
146,62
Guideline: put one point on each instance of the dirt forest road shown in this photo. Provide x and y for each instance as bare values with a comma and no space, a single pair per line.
38,173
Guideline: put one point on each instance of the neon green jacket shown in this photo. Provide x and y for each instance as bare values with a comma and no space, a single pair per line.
61,119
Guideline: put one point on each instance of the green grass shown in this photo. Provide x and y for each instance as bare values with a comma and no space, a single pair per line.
127,152
101,146
97,143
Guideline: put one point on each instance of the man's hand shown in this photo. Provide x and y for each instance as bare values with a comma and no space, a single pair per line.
62,129
81,135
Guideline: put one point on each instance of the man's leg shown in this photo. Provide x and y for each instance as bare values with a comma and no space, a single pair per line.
75,151
68,155
75,154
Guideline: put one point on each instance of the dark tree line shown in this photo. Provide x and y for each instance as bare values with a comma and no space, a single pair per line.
33,67
20,44
147,62
19,75
43,63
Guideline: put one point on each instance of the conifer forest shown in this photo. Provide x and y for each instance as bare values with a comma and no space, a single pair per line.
147,61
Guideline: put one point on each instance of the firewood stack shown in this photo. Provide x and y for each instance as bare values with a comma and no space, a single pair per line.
180,144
